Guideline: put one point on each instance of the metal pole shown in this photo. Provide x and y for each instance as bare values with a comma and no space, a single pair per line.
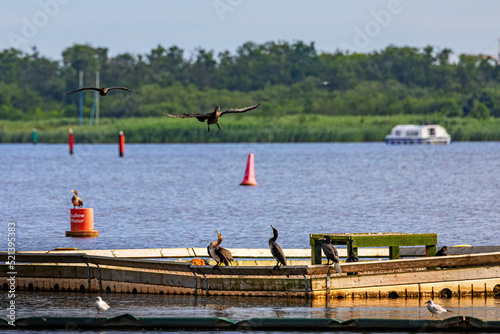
81,97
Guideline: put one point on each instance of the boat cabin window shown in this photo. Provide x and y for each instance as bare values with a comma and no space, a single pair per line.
432,131
397,133
412,133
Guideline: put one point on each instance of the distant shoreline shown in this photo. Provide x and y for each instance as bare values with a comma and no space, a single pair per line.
240,129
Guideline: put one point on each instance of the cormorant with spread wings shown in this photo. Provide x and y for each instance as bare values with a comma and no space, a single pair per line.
102,91
213,117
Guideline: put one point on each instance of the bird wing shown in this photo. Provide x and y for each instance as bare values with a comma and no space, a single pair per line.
81,89
224,254
105,306
440,309
330,252
123,88
208,251
233,111
200,117
278,253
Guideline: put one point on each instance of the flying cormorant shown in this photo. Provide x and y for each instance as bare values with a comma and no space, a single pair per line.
331,253
219,254
77,201
276,250
102,91
213,117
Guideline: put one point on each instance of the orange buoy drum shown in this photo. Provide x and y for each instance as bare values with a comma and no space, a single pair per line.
82,223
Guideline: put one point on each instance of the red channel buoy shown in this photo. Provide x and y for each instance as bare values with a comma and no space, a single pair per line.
249,179
71,141
121,143
82,223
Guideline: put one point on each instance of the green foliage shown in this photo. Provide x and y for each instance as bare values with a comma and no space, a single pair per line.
235,128
479,110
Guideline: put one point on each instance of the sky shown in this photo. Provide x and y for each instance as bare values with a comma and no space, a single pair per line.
137,27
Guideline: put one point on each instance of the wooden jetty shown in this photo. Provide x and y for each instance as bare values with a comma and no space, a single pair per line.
466,272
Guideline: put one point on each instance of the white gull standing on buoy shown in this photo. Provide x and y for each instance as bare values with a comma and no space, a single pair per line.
100,305
435,308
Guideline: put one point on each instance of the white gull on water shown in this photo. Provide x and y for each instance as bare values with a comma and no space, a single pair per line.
100,305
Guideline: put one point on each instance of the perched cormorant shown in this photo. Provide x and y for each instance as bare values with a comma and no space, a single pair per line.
435,308
102,91
443,251
219,254
352,257
101,306
276,250
213,117
331,253
77,201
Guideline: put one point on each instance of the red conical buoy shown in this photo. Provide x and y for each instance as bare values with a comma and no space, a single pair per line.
249,179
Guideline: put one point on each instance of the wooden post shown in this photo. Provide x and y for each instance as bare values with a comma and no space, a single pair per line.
315,251
430,250
393,252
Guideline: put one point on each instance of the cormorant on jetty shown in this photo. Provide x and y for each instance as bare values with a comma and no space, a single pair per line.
77,201
352,257
213,117
276,250
219,254
443,251
331,253
101,306
103,91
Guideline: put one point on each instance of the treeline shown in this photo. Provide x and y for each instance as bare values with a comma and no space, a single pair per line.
290,78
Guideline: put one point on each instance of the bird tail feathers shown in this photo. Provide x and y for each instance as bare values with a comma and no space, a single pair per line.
337,267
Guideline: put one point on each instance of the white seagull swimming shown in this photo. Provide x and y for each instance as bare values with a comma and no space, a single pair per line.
100,305
435,308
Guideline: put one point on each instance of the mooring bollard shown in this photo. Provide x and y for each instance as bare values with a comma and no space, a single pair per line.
71,141
121,143
35,136
82,223
249,178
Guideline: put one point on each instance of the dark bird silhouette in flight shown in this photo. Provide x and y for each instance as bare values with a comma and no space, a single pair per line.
276,250
331,253
219,254
77,201
102,91
213,117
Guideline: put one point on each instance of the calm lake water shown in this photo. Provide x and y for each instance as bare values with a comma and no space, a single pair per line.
177,195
